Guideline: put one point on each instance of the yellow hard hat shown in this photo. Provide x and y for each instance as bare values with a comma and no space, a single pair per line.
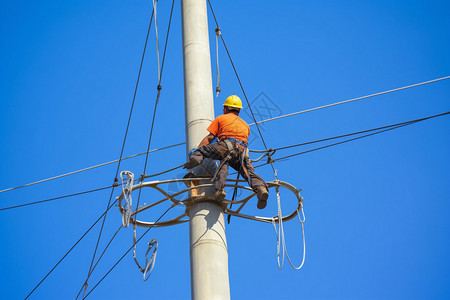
233,101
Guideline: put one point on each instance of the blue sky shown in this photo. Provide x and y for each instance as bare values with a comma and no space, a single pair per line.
376,208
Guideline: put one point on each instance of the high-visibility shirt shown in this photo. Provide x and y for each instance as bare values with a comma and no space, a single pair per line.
231,126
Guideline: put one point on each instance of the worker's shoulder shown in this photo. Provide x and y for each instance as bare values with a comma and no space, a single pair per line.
232,117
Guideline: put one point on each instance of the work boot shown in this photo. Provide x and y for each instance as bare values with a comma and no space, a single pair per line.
190,164
220,194
262,193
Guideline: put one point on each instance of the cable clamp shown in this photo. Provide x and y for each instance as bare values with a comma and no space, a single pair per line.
218,31
127,188
116,182
159,87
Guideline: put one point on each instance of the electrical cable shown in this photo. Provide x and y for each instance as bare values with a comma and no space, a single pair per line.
237,75
354,99
259,122
381,130
90,168
100,257
67,253
123,144
358,132
342,142
242,87
160,72
395,126
157,99
56,198
129,249
93,167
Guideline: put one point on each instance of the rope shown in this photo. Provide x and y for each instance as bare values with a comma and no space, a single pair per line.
352,100
129,249
70,250
217,61
56,198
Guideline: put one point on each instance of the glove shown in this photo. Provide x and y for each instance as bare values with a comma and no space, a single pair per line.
192,151
190,164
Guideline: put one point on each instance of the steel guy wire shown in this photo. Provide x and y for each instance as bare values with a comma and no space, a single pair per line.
90,168
242,87
259,122
155,2
129,249
67,253
355,133
237,75
158,87
56,198
124,140
157,99
342,142
352,100
98,260
217,61
392,126
388,128
171,146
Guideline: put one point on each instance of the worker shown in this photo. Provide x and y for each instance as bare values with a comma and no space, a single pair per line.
231,149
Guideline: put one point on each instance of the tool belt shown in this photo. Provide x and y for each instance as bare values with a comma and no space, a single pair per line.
234,149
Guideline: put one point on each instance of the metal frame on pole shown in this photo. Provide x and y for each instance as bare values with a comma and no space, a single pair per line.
208,247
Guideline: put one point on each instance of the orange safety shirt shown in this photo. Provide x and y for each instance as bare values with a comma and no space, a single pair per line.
230,126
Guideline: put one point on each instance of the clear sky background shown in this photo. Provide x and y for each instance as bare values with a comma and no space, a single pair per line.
377,224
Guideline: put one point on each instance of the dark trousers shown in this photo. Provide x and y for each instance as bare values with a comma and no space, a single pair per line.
219,151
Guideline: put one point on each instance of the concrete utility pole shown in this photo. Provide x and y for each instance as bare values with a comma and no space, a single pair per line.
208,247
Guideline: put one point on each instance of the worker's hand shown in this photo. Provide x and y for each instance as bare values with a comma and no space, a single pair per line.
190,164
192,151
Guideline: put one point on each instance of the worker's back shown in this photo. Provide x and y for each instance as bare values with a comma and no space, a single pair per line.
231,126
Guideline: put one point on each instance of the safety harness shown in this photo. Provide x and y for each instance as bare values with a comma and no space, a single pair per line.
234,147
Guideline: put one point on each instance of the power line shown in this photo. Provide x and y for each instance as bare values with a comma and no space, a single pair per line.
240,84
157,95
56,198
237,75
137,241
380,130
67,253
160,72
351,100
259,122
342,142
124,140
89,168
363,131
98,260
